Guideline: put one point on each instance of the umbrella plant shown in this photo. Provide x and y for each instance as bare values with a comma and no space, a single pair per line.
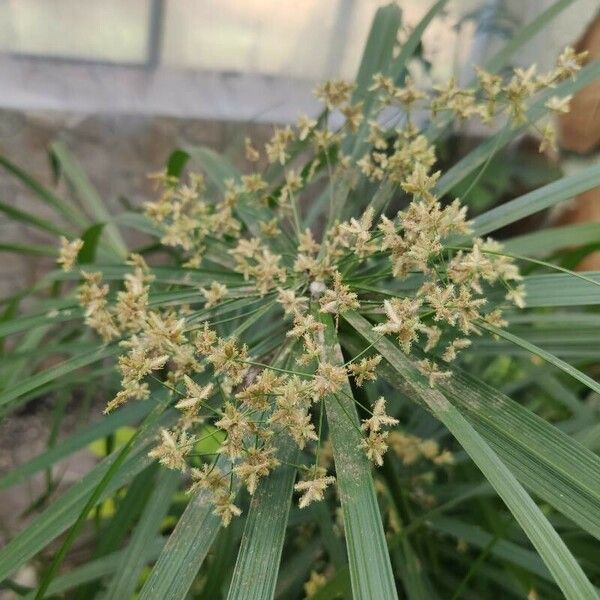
334,383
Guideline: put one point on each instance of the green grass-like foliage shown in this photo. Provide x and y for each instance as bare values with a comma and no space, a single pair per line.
332,386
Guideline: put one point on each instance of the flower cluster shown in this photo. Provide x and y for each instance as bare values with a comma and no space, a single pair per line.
244,360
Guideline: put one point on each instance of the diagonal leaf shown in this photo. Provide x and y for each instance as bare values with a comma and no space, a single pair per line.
67,210
555,554
503,549
547,356
370,569
64,511
29,219
257,565
561,289
63,368
184,552
125,416
553,465
398,67
482,153
379,47
524,35
121,456
537,200
550,463
547,241
134,557
111,536
32,249
88,195
95,569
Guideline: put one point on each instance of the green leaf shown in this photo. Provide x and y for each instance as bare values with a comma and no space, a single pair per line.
91,238
195,533
32,249
557,557
376,58
257,565
64,511
379,47
558,289
120,458
503,549
398,67
96,569
184,552
33,220
524,35
134,558
576,342
66,209
547,356
88,196
139,222
60,370
80,439
368,558
551,464
506,550
537,200
176,163
482,153
174,275
67,311
547,241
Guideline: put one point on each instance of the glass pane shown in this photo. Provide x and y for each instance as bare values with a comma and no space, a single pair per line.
304,39
307,39
110,30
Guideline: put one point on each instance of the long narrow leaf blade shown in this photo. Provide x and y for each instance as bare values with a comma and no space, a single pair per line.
135,556
257,565
537,200
370,568
564,568
547,356
554,466
89,196
63,513
184,552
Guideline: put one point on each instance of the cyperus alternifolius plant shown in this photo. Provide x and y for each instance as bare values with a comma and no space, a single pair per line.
297,281
321,376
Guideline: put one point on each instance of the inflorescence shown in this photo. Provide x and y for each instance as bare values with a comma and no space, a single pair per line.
246,402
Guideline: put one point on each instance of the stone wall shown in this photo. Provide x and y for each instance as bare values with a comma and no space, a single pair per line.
117,152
